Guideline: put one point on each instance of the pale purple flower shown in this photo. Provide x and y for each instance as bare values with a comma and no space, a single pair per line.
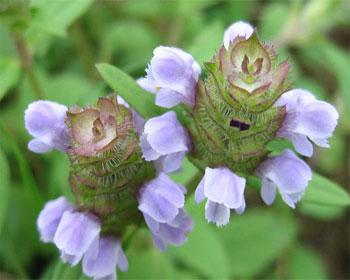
102,258
45,121
172,75
287,173
162,201
224,191
307,119
75,233
138,121
50,217
237,29
165,140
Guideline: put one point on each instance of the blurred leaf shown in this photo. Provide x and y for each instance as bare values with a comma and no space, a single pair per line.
204,251
273,19
10,71
148,264
306,264
24,169
124,39
65,271
207,42
254,239
54,17
323,191
4,187
278,145
320,211
125,86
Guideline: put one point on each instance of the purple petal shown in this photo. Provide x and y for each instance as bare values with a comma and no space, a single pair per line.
75,233
147,85
168,98
217,213
240,28
268,191
102,257
287,171
222,186
50,217
166,135
292,198
199,193
45,121
172,162
159,242
36,145
241,209
300,142
161,198
148,152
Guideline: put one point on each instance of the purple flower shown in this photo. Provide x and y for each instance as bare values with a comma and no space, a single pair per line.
307,119
287,173
75,233
224,191
161,202
166,141
50,217
172,75
102,258
237,29
45,121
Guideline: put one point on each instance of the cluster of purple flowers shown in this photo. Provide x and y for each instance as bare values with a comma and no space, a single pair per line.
172,76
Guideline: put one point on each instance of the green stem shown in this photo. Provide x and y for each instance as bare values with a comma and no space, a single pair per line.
27,64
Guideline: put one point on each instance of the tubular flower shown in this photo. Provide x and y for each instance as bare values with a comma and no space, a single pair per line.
44,120
165,141
162,204
307,118
172,75
106,177
224,191
287,173
242,104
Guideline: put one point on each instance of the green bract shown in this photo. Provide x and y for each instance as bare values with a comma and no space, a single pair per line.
107,168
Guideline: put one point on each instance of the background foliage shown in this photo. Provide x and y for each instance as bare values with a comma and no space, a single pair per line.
49,48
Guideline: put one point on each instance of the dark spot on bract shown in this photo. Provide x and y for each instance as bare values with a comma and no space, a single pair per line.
240,125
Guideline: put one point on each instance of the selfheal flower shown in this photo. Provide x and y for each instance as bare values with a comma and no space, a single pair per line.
161,202
102,258
166,141
287,173
50,217
172,75
306,118
224,191
45,121
74,235
237,29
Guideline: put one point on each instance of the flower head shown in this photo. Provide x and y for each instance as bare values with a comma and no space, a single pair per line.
45,121
287,173
307,119
165,141
224,191
172,75
162,204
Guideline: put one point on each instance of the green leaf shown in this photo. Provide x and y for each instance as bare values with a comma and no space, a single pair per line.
207,42
4,187
254,239
10,71
321,211
306,264
54,17
323,191
204,251
125,86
